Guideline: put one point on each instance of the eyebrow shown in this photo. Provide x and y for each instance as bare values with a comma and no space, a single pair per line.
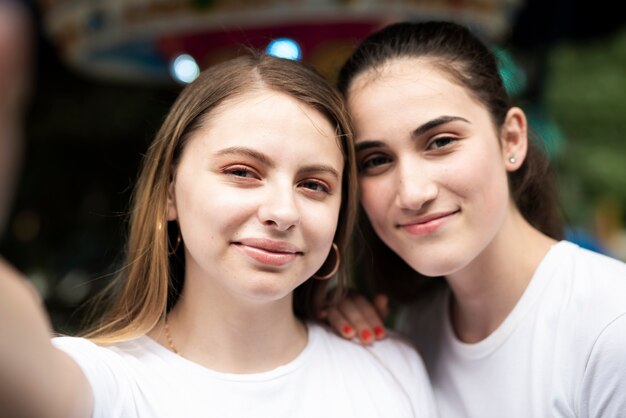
260,157
319,168
420,130
441,120
363,145
264,159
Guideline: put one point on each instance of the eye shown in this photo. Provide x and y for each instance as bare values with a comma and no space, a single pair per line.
373,162
441,142
315,186
241,171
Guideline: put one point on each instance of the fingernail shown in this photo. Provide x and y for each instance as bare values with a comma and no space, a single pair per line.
366,335
379,331
347,329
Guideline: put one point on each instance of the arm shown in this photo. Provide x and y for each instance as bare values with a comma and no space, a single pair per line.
36,379
355,316
603,389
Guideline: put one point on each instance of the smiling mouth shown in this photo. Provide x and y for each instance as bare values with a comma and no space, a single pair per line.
428,224
268,252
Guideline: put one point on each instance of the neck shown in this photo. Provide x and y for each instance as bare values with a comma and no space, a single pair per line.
486,291
227,335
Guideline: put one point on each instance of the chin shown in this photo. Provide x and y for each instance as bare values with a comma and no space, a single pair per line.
436,266
268,289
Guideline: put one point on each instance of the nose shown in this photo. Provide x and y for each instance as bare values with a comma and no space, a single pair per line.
279,209
415,188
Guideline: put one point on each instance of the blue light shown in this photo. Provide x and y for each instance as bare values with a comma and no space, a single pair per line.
284,48
185,69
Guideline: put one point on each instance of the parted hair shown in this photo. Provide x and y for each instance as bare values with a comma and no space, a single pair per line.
152,274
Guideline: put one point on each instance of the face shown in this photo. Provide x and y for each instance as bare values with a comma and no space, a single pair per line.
257,194
432,171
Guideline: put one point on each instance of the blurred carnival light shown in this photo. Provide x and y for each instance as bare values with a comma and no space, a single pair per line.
184,69
138,40
285,48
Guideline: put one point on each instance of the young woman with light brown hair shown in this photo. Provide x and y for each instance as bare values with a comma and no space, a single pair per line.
241,216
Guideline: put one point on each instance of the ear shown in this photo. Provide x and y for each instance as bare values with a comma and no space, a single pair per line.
172,214
514,139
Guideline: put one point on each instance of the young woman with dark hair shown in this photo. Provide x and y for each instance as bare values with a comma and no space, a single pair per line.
462,228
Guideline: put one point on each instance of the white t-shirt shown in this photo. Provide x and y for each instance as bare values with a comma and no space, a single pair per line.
330,378
561,352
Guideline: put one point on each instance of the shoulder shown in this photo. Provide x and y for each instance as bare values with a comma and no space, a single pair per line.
394,351
390,368
81,349
603,389
393,360
588,285
97,362
611,343
396,347
401,359
594,265
85,350
108,371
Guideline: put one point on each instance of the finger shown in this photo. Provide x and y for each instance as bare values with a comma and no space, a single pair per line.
359,313
371,316
340,324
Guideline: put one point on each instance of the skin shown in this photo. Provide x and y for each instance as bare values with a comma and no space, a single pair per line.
257,195
433,182
235,312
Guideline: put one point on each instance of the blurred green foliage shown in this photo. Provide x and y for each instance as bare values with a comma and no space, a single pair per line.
586,96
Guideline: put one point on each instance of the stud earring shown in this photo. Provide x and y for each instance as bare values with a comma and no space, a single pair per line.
512,159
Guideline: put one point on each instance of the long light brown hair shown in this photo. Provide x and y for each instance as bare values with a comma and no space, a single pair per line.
152,276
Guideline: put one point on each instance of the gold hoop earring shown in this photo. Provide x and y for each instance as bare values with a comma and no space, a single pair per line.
335,268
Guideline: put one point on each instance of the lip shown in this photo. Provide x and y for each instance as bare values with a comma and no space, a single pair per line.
268,252
428,224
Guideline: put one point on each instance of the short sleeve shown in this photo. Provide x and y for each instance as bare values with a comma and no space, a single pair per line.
104,372
603,389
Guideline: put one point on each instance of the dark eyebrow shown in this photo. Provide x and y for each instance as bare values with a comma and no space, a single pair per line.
260,157
420,130
313,169
441,120
363,145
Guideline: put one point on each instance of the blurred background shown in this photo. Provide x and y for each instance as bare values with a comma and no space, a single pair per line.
85,84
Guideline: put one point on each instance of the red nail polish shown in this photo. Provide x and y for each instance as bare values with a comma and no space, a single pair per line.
366,335
379,331
347,329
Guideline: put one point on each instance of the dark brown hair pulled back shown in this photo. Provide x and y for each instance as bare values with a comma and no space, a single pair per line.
469,62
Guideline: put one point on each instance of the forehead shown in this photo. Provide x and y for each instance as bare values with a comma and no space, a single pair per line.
404,93
262,102
266,119
421,78
426,73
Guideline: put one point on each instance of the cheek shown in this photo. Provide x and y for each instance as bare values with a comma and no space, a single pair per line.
372,195
319,223
367,196
206,211
376,198
485,183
